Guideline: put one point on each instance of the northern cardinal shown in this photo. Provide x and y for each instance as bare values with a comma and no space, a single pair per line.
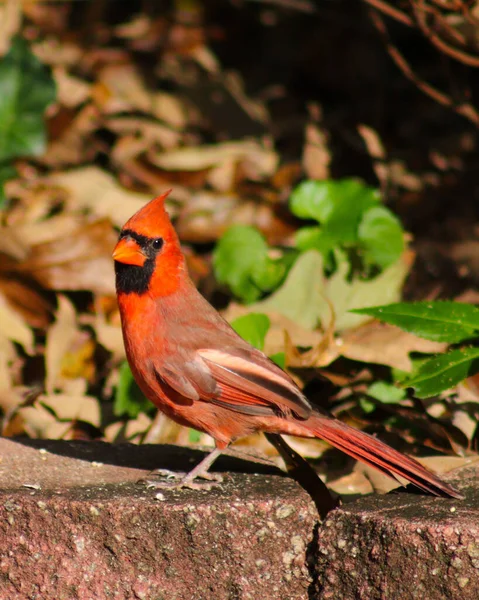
193,366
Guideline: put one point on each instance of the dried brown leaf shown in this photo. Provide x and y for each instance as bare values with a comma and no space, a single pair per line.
255,110
316,154
73,408
80,261
286,175
71,91
60,338
280,325
110,337
126,89
138,27
33,421
13,245
384,344
257,160
321,354
207,215
78,366
36,201
447,464
466,253
10,21
13,326
45,230
136,428
30,304
465,422
74,144
150,131
94,190
55,52
355,482
127,148
170,110
222,177
11,399
7,356
377,153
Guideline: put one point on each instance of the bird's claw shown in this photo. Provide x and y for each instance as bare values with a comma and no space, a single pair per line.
176,481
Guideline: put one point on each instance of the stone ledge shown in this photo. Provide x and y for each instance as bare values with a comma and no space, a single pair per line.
70,529
74,524
402,545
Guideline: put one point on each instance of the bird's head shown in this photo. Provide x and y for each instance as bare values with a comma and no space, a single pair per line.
148,257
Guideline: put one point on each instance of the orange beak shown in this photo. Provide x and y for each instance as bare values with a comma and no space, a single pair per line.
128,252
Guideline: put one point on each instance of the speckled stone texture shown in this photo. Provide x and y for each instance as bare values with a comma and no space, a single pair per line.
402,546
71,528
75,524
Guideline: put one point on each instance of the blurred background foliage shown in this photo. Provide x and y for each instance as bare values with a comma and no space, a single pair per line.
323,160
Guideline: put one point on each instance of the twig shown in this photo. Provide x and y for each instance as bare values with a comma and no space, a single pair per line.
389,10
465,109
460,55
444,24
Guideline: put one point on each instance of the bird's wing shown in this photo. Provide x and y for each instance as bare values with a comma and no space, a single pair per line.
245,382
249,380
236,377
189,378
205,359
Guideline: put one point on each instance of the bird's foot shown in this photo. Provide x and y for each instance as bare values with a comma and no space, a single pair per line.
172,480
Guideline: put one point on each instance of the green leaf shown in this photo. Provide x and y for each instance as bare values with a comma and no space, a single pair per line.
399,376
300,298
386,392
303,297
345,294
367,405
439,321
352,198
252,328
194,437
268,274
240,252
314,238
280,359
444,372
129,399
381,237
337,205
7,172
312,200
26,89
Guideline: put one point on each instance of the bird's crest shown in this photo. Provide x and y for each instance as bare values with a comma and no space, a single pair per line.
151,220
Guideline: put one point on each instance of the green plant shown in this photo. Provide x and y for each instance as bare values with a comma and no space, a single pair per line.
26,90
350,217
242,261
129,400
443,321
360,243
353,228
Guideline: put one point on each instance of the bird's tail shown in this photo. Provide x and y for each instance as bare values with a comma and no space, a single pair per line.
370,450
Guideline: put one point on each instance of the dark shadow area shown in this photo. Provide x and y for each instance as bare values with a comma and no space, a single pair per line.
148,456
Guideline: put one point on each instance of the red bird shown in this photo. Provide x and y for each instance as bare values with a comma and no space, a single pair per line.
191,364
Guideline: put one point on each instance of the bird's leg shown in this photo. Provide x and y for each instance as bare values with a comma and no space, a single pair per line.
302,472
181,480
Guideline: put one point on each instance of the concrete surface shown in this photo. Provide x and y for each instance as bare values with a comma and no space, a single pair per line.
75,524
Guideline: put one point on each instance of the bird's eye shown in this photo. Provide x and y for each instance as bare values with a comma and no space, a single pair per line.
157,243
